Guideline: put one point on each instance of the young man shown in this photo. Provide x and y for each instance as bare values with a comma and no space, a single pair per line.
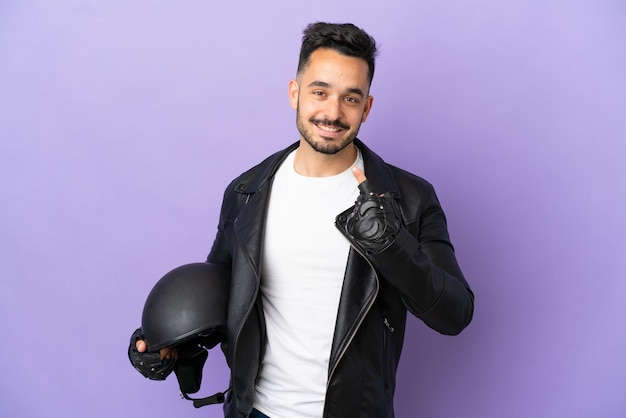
320,286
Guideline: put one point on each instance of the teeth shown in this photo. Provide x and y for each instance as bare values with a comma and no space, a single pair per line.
328,128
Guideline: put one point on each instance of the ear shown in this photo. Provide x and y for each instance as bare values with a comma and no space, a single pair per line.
368,106
294,92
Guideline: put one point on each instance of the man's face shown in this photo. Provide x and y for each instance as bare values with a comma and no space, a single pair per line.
331,97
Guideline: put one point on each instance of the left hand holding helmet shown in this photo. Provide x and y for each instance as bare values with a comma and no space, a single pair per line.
184,316
149,364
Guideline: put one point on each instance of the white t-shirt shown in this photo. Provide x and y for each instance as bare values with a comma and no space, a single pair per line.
304,262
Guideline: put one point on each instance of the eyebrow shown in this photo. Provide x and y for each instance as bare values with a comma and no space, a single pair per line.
352,90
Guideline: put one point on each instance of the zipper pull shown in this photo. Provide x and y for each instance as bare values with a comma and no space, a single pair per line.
388,325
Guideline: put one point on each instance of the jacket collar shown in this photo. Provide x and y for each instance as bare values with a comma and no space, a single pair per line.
376,170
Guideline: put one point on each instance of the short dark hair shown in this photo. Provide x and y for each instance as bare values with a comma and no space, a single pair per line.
345,38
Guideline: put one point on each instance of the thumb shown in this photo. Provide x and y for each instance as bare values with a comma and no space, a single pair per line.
141,346
358,175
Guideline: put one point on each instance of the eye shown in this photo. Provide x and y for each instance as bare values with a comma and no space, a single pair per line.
352,100
318,93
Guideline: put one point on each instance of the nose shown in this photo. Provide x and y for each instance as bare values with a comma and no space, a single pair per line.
332,109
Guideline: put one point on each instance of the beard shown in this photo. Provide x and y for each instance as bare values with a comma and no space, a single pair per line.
323,145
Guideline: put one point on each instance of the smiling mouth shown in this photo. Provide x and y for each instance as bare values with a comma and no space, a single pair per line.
329,126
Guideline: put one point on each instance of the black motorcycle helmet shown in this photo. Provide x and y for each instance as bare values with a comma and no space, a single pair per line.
187,309
188,302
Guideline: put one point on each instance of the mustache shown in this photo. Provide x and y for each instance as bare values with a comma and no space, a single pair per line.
334,123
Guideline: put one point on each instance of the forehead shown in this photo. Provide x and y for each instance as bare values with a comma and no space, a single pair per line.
329,65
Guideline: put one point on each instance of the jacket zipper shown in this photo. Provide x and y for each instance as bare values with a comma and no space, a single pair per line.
388,325
386,336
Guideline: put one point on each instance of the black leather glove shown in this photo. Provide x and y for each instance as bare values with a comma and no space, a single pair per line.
374,223
148,364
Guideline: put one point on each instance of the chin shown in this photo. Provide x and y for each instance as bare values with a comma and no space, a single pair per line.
330,148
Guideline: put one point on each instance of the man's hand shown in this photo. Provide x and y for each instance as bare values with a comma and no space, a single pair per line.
358,175
167,353
154,366
374,222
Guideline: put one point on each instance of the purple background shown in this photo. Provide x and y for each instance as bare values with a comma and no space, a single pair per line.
121,123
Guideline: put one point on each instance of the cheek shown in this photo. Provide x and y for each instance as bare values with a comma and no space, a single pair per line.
308,108
364,114
357,116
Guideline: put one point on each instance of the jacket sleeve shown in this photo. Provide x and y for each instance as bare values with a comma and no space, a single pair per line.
220,251
420,263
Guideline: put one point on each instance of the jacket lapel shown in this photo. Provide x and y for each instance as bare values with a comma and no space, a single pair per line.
359,291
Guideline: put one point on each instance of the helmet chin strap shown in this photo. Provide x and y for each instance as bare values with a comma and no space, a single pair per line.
209,400
191,358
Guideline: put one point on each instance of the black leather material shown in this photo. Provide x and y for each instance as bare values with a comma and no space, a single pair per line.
374,222
149,364
189,365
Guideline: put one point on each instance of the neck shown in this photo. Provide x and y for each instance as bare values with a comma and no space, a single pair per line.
311,163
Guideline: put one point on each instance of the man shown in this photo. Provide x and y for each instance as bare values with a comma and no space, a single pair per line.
320,286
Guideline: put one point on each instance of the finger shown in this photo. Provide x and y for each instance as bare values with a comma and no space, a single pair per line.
141,346
168,353
358,175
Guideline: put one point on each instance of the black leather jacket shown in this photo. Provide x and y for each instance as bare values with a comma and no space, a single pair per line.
418,272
